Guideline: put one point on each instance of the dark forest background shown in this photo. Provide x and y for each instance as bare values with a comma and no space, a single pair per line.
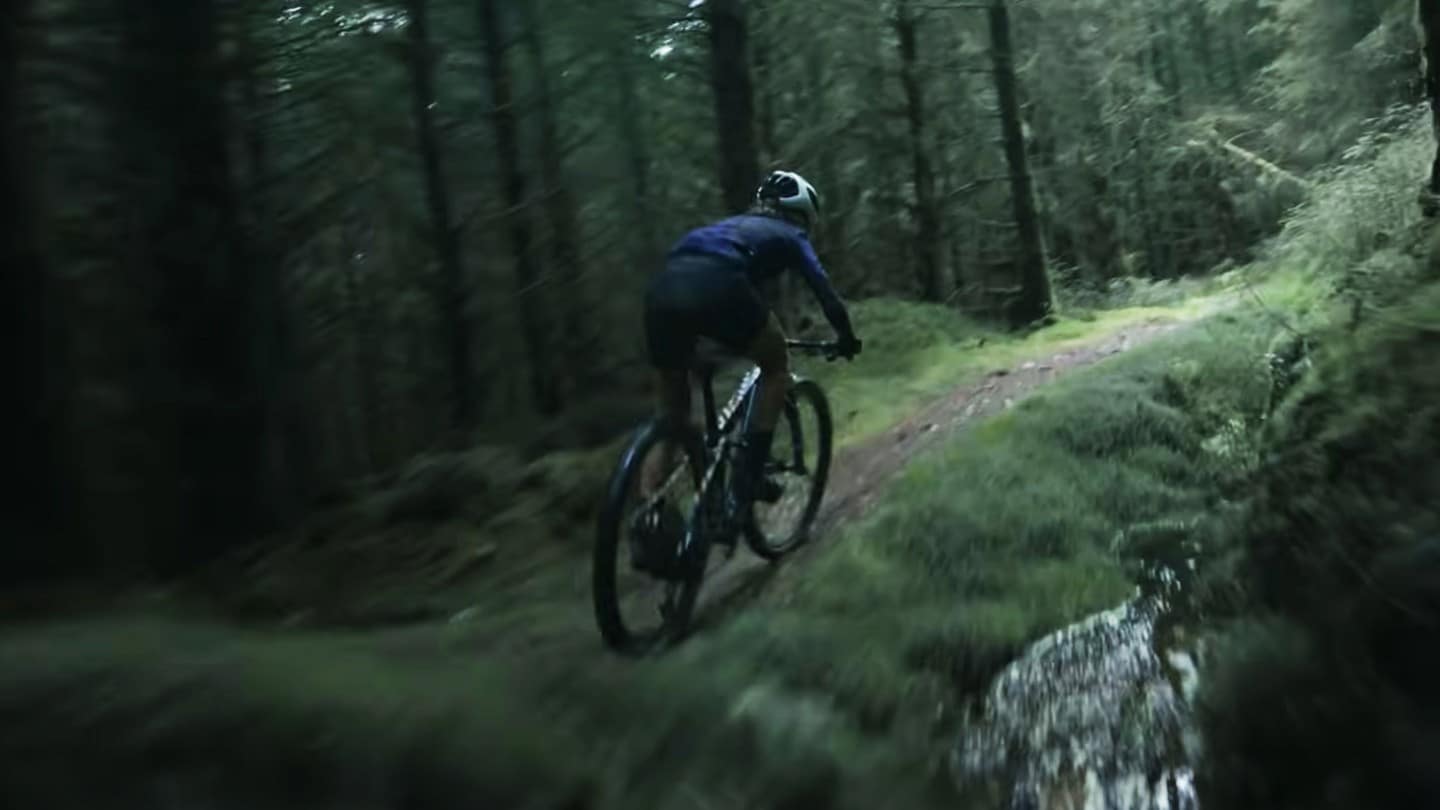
261,251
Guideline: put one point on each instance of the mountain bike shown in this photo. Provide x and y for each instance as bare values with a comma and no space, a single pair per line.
665,537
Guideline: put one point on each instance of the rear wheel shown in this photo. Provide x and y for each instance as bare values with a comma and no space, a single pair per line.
644,584
800,464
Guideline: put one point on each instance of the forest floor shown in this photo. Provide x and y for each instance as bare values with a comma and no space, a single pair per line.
431,645
827,680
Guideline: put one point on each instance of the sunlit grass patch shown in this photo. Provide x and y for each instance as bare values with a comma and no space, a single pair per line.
915,352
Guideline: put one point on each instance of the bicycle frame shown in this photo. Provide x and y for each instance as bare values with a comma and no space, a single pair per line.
719,423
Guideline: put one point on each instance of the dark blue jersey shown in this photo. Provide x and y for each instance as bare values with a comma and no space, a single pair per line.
763,247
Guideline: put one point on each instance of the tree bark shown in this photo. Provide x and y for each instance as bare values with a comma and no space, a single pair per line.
204,389
928,249
760,46
1035,300
1200,33
734,103
529,289
1430,26
289,474
578,336
40,543
835,204
631,122
452,289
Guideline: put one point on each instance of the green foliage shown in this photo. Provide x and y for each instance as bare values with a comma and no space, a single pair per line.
1006,533
1338,55
915,351
1340,542
145,709
1360,204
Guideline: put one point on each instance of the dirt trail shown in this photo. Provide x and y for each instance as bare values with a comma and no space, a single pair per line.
860,472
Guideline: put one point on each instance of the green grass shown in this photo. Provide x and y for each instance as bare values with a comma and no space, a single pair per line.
1321,594
1334,582
1007,532
915,352
310,721
821,694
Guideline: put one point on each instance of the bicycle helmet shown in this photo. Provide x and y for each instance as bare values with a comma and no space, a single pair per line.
791,192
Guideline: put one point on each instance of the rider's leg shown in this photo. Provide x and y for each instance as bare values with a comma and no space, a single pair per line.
768,351
672,399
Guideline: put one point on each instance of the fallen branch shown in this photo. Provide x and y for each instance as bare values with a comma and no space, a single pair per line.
1255,160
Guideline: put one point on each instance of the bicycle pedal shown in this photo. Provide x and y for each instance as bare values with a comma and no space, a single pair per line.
769,491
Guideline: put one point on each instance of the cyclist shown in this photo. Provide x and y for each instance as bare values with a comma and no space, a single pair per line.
709,288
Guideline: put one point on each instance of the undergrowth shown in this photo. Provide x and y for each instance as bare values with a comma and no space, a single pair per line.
821,695
824,693
1336,590
1324,594
1005,534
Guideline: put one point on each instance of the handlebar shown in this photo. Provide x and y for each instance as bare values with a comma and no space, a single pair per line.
811,345
828,349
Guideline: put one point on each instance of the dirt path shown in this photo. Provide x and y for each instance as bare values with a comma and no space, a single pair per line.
860,472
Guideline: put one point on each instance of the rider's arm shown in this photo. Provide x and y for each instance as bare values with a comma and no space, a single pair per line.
824,291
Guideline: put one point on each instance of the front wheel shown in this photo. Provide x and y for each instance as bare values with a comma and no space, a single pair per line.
643,584
800,464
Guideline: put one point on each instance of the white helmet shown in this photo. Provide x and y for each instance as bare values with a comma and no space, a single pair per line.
791,192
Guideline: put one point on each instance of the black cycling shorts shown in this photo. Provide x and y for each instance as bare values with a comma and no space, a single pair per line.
700,296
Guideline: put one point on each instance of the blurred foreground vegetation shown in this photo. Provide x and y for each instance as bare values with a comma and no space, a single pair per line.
372,596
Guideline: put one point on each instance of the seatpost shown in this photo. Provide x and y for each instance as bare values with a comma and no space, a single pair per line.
707,396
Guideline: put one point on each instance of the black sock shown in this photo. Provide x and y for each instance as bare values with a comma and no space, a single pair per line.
757,452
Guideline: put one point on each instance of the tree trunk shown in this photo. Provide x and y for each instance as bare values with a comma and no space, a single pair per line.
928,250
204,389
760,46
734,103
1035,301
1430,25
288,473
452,288
644,248
1169,52
578,336
529,288
1199,39
835,202
39,543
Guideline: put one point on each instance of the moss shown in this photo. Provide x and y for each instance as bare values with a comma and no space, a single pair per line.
1340,541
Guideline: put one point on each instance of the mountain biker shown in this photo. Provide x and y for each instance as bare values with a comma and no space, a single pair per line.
709,288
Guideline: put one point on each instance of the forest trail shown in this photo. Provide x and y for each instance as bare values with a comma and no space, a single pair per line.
861,471
538,609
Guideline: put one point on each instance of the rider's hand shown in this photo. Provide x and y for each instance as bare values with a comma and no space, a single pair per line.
848,346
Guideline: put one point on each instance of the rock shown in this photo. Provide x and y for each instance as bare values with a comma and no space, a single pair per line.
465,615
